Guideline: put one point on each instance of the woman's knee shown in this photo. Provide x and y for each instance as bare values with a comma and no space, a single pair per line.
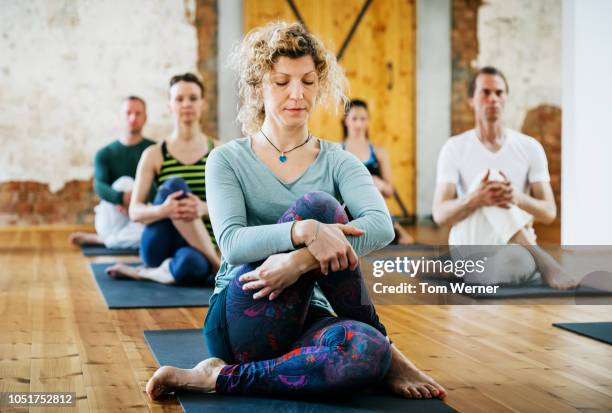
317,205
171,186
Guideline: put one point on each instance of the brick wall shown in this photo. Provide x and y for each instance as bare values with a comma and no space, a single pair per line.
31,203
544,124
464,51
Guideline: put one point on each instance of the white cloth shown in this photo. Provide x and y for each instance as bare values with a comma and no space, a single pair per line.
489,225
115,229
463,158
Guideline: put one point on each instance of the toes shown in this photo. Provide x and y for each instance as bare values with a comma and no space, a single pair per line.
415,393
405,392
432,390
424,391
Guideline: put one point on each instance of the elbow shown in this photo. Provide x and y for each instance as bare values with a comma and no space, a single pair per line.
549,216
232,257
438,217
135,215
388,234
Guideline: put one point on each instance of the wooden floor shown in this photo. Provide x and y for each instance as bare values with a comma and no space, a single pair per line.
57,335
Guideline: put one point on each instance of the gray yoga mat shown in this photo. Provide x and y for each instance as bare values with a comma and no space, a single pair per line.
527,291
94,250
185,348
127,293
600,331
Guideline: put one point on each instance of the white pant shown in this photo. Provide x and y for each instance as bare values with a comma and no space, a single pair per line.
480,235
115,229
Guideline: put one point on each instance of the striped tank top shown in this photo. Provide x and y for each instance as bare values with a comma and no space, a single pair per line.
193,175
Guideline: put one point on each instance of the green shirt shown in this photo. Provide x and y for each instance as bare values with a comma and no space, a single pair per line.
114,161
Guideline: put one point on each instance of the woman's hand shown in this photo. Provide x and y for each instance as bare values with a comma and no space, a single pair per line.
202,207
171,206
331,248
276,273
184,209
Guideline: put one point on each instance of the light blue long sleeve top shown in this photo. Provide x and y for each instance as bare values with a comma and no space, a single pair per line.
245,200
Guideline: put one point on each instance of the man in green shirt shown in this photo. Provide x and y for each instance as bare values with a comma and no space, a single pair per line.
114,171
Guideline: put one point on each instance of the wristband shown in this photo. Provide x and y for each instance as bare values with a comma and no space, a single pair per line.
316,235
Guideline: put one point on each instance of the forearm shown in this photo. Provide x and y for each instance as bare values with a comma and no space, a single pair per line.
146,214
107,193
451,211
542,210
304,260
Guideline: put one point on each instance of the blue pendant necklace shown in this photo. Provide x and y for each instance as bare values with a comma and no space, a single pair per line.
282,157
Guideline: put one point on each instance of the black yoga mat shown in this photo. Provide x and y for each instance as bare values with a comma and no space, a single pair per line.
600,331
528,291
127,293
93,250
185,348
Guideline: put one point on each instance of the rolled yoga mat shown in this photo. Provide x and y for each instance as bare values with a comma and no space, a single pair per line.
128,293
186,348
600,331
95,250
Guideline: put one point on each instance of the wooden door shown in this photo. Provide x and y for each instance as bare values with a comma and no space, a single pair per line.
379,62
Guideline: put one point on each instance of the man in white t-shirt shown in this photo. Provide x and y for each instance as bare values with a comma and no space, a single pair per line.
493,183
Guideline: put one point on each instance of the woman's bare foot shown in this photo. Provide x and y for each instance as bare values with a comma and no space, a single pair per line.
201,378
80,238
120,270
559,279
159,274
406,380
404,238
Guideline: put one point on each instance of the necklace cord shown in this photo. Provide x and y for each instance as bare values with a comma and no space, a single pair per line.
292,149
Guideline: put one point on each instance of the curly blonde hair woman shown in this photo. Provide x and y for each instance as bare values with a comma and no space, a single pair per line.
289,254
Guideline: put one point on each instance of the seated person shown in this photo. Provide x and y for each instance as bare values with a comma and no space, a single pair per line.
376,159
286,245
114,171
177,246
492,184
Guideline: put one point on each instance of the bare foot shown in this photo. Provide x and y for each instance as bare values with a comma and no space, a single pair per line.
559,279
201,378
415,384
120,270
406,380
80,238
404,237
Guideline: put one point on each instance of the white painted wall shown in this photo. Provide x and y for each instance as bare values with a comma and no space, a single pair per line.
587,135
64,68
230,31
433,93
522,38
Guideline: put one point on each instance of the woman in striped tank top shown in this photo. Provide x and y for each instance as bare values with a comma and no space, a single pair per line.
177,245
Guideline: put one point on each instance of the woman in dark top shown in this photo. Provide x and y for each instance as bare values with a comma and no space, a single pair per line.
177,246
375,158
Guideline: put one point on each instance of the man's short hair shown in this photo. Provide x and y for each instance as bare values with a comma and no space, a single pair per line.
187,77
141,100
487,70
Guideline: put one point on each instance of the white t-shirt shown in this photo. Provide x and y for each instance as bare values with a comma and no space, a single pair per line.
463,159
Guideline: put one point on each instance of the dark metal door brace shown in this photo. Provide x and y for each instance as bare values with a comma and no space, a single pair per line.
349,37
